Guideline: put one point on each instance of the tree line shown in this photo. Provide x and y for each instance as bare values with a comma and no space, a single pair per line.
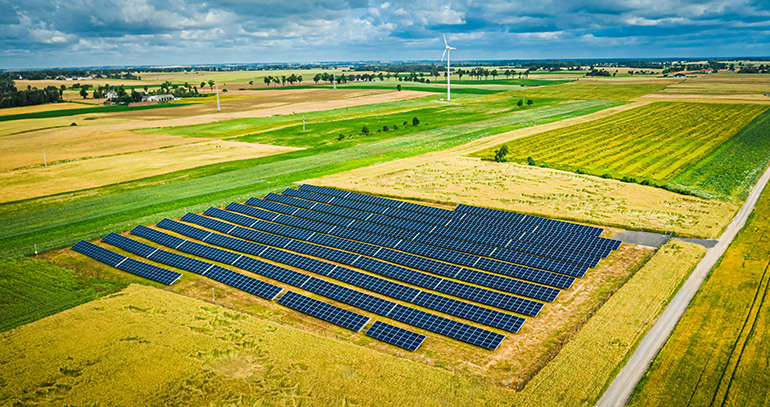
12,97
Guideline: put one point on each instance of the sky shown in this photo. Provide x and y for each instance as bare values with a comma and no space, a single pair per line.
76,33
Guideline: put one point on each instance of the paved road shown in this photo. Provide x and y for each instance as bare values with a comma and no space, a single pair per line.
621,388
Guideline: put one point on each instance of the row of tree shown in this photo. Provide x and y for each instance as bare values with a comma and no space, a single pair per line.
12,97
291,79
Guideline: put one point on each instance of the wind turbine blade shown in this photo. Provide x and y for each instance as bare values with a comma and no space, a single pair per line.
442,57
451,48
444,35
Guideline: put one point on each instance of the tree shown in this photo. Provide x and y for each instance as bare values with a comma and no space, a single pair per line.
415,121
531,161
83,93
385,128
203,85
283,80
381,76
501,153
460,73
398,87
251,83
299,79
530,102
365,131
434,71
521,103
317,78
145,88
211,84
267,80
494,74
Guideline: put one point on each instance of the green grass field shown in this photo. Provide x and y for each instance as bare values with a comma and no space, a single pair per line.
655,142
85,110
62,220
732,168
718,352
32,289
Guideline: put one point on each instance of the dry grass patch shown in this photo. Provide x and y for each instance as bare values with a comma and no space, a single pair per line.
91,173
538,191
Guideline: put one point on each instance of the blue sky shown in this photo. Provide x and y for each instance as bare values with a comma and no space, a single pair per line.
71,33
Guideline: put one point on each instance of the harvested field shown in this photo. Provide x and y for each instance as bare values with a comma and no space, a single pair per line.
448,179
76,175
9,111
600,90
723,83
653,142
718,353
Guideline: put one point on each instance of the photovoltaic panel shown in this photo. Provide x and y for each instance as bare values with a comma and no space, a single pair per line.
395,336
322,310
480,242
461,290
395,290
124,263
349,296
478,223
217,273
466,333
504,215
495,266
462,309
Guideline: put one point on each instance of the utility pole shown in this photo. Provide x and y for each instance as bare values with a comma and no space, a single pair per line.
35,249
511,385
218,108
213,297
45,161
303,122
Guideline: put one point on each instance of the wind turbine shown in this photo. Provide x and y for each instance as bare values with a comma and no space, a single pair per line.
446,54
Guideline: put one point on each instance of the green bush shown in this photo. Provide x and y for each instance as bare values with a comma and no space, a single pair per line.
415,121
365,131
607,176
531,161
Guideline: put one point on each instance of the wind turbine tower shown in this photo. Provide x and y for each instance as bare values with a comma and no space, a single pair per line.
448,73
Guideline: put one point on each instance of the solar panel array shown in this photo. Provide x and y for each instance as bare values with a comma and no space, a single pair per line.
509,249
242,282
418,249
322,310
395,335
466,291
447,305
479,249
554,231
442,325
385,246
124,263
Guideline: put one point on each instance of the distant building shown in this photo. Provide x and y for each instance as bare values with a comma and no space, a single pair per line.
111,95
160,98
680,75
707,70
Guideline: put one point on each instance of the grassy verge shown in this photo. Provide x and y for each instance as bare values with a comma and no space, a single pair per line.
600,347
32,289
717,354
730,171
51,223
650,144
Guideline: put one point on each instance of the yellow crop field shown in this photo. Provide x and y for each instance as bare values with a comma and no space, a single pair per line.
593,90
654,142
587,365
76,175
444,178
718,352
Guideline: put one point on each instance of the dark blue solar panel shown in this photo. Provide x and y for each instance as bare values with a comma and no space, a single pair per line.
453,329
322,310
351,297
124,263
515,217
395,336
485,316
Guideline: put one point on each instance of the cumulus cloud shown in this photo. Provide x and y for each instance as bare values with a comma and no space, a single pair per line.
38,33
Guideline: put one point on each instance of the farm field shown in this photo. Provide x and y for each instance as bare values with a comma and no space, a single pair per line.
718,352
53,222
730,170
631,147
722,84
594,90
36,182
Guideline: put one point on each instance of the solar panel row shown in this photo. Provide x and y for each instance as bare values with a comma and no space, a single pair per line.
442,325
481,241
322,310
395,290
513,228
124,263
242,282
395,335
419,249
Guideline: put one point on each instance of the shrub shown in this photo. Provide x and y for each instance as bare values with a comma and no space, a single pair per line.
406,123
395,127
530,102
531,161
73,124
521,103
385,128
415,121
501,153
398,88
628,179
341,137
365,131
607,176
579,171
646,182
